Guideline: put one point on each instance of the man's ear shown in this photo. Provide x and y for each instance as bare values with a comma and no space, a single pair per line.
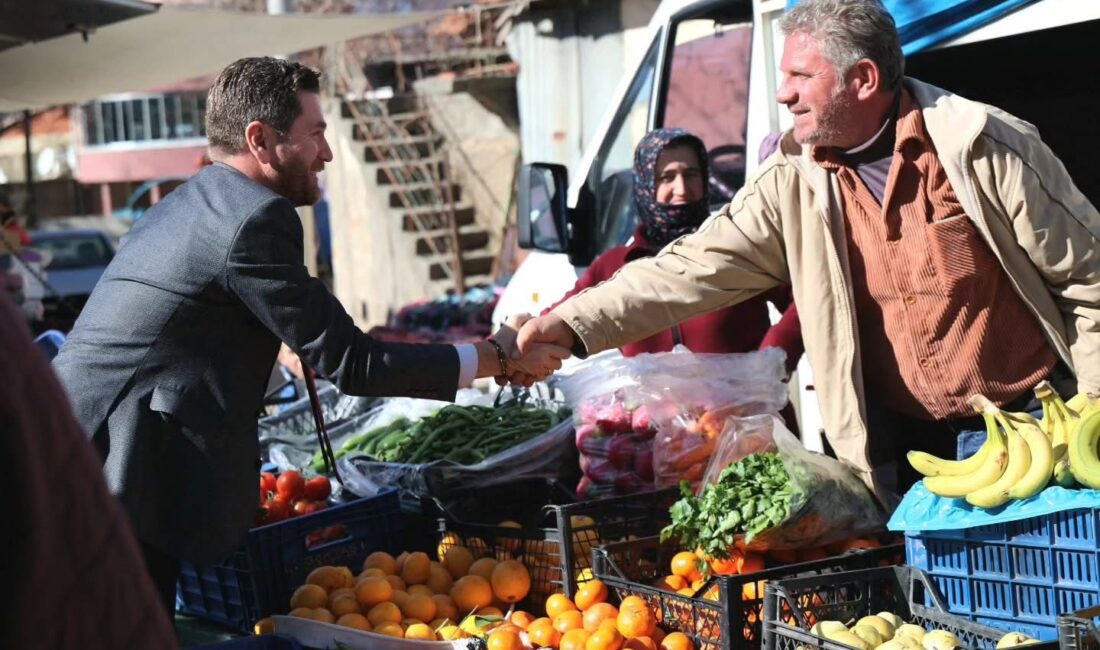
258,142
866,77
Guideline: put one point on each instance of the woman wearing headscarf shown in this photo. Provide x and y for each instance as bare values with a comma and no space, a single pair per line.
671,199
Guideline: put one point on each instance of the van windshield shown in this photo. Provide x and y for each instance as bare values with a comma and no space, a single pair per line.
708,95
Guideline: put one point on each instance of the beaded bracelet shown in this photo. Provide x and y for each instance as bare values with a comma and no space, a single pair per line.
501,357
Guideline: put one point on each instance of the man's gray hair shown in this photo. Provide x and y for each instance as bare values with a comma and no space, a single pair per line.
848,31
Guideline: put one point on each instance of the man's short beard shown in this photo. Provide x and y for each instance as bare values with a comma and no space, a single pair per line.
832,122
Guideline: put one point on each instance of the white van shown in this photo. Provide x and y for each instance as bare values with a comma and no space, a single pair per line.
711,67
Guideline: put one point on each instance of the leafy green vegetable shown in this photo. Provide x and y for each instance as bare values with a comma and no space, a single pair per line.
750,495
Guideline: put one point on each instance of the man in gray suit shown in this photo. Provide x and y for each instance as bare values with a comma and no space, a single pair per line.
166,366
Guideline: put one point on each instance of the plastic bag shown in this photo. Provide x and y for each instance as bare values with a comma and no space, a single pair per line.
828,503
650,420
922,510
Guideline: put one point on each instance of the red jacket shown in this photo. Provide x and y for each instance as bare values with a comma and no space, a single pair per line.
743,327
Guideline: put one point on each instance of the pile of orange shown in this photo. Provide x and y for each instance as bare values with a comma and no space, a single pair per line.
414,597
589,622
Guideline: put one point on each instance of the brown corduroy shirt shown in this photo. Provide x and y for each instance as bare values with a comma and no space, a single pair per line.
938,318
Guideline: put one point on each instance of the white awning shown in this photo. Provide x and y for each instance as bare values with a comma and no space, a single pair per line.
169,45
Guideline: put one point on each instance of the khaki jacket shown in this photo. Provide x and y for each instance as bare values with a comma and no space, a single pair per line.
786,226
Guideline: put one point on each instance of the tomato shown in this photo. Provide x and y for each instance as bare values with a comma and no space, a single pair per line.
339,531
291,485
318,488
275,510
314,539
267,483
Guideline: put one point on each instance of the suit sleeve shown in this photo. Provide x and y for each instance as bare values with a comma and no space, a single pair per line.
265,270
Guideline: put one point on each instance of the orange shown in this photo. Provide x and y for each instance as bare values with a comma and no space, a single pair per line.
323,615
574,640
399,598
301,612
520,619
677,641
445,607
406,622
416,569
640,643
400,560
310,596
372,591
451,633
597,614
658,636
671,583
635,622
390,629
420,632
504,640
753,590
371,573
483,567
384,613
605,638
344,604
419,606
631,603
338,592
264,626
490,611
381,560
558,603
590,593
439,579
357,621
686,591
470,593
541,632
326,577
423,590
396,582
477,546
726,567
752,563
510,581
509,543
686,565
569,620
457,561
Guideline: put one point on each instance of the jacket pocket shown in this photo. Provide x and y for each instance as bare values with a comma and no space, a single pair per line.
193,408
959,254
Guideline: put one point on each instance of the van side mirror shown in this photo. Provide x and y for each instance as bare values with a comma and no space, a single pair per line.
542,213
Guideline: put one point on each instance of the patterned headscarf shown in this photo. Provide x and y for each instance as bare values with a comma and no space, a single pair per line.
662,223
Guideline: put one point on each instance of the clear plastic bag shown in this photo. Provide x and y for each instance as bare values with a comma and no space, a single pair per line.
829,503
649,421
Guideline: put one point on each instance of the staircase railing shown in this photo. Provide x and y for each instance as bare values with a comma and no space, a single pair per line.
401,162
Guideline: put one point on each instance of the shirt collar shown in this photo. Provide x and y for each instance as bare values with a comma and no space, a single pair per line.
908,126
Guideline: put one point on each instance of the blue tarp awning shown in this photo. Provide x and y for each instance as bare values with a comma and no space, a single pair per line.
926,23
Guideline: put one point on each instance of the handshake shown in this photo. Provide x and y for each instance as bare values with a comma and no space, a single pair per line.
533,348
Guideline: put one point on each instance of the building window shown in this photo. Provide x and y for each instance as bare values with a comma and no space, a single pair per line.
146,118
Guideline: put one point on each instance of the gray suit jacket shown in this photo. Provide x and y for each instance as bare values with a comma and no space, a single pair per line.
167,364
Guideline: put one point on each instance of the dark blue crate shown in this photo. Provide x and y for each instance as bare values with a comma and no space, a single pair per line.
1021,573
264,642
259,579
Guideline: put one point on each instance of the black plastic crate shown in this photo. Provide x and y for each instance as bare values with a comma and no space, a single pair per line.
259,578
725,612
556,533
793,606
1080,630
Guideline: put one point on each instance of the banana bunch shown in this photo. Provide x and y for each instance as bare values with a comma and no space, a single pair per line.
1022,455
1015,462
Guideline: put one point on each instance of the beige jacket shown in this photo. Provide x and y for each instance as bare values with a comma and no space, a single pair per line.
786,225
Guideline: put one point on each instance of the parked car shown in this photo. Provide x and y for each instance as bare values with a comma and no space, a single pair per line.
77,259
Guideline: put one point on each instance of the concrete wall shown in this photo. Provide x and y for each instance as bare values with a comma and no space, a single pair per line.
374,265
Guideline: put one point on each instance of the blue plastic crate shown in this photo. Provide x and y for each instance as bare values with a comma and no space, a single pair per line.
264,642
1019,575
260,577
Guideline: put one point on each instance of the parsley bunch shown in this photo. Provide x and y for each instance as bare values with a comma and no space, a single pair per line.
750,495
